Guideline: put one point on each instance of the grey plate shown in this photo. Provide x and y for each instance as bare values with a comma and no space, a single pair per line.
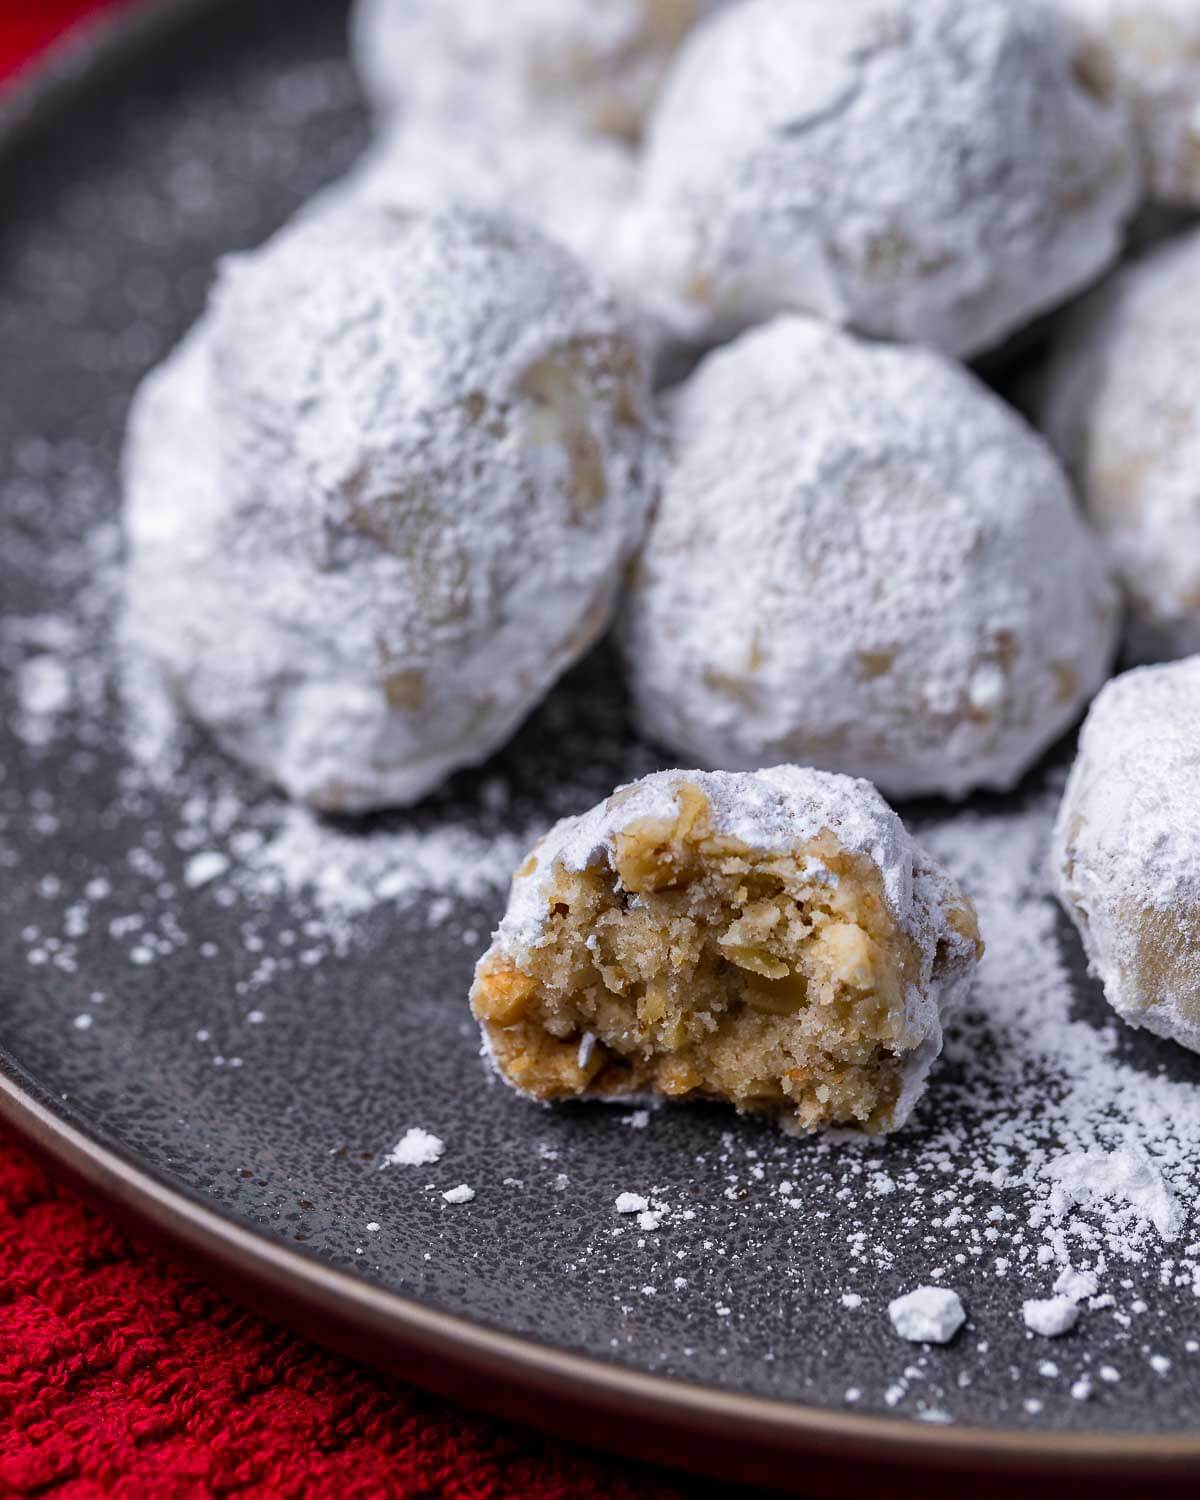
151,151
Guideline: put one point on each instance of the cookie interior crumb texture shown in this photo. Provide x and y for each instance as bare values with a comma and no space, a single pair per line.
686,961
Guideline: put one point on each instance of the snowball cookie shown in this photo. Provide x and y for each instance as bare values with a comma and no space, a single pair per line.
578,190
776,940
1120,402
923,170
384,497
862,560
1148,53
1127,847
589,65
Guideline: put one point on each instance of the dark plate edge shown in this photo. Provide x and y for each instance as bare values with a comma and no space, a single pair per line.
83,55
714,1433
719,1434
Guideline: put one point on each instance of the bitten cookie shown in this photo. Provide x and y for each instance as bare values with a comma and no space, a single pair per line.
776,940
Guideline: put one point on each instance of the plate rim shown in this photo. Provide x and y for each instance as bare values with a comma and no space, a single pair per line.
684,1425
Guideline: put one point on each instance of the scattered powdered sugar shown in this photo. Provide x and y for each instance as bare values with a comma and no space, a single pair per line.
1124,1179
631,1203
346,872
202,868
930,1315
460,1194
1103,1154
416,1148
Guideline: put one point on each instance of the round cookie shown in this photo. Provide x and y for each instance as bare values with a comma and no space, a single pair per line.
420,452
1118,400
577,190
920,170
862,560
1147,52
776,940
587,65
1127,847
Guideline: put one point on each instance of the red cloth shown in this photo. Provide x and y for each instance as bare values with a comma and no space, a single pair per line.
26,26
120,1375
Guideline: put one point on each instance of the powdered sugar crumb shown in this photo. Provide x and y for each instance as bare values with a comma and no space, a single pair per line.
416,1148
929,1315
1050,1317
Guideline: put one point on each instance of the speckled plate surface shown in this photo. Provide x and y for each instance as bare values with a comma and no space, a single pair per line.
228,1060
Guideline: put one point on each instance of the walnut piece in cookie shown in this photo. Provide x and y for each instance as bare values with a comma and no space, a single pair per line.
582,65
384,495
1127,847
776,940
862,560
1117,400
920,170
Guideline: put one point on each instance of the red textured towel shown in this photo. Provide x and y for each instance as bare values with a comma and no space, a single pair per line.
122,1376
26,26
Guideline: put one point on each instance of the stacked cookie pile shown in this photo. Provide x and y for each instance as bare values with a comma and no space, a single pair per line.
431,440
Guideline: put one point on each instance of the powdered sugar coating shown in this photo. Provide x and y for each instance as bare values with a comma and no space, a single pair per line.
1127,847
1148,52
920,170
578,190
777,810
862,560
418,459
575,63
1117,401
